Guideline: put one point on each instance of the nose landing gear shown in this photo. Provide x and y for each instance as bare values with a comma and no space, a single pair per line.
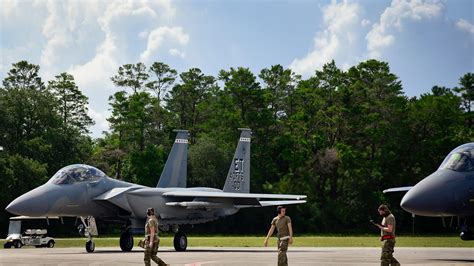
88,228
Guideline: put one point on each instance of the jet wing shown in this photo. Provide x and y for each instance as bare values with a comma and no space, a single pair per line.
266,203
240,200
212,194
397,189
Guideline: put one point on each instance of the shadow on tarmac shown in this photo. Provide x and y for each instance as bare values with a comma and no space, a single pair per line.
201,250
452,260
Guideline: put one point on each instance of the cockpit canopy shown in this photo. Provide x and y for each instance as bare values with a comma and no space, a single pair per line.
76,173
460,160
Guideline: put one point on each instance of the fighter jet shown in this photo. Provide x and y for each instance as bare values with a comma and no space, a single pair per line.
85,192
449,191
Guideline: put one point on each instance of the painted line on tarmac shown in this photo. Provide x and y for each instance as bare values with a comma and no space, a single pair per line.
200,263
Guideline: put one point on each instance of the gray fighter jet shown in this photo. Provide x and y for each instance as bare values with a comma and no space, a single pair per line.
86,192
449,191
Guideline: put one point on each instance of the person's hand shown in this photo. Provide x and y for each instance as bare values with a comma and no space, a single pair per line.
291,240
265,243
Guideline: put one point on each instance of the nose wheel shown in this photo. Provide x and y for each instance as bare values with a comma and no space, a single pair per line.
90,246
88,228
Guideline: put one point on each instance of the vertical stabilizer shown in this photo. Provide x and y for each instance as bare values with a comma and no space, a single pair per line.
238,178
175,172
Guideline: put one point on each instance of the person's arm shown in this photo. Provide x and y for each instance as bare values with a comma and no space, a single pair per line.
290,229
152,235
270,233
388,229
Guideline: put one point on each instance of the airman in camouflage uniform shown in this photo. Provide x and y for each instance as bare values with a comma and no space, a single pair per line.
284,233
387,236
151,239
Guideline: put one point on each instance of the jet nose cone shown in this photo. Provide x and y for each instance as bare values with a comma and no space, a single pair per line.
33,203
430,197
11,208
412,203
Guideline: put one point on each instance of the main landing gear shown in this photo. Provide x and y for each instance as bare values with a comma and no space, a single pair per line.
126,240
180,240
466,234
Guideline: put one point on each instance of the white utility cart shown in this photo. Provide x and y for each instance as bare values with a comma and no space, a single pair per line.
30,237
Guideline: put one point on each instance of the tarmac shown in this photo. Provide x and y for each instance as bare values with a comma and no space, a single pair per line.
235,256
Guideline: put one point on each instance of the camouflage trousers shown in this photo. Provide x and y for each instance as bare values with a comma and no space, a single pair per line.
387,258
150,253
282,248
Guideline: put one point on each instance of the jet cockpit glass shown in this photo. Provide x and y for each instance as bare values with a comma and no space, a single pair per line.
75,174
460,161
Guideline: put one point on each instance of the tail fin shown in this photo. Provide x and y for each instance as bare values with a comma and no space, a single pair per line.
175,172
238,178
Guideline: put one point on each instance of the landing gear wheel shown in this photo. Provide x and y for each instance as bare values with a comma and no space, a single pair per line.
466,235
126,241
50,244
17,244
90,246
180,241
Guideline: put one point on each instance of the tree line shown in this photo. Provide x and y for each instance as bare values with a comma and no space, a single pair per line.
340,137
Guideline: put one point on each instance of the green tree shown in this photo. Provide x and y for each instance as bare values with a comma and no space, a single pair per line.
245,94
131,114
185,100
131,76
72,104
27,103
208,163
164,76
466,91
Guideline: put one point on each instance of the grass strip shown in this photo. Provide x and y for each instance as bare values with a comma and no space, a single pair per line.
303,241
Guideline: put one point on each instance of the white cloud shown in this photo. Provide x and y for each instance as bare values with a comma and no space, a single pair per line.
143,34
101,123
394,16
178,53
465,26
341,21
157,37
365,23
89,39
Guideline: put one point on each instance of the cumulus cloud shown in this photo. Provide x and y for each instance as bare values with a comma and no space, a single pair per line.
394,16
178,53
365,23
101,123
340,21
465,26
157,37
89,40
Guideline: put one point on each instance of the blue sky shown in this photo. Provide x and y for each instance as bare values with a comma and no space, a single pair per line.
426,43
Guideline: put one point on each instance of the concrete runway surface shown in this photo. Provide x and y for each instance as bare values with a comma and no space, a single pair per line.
236,256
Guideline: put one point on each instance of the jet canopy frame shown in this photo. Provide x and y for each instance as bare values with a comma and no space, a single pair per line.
76,173
461,160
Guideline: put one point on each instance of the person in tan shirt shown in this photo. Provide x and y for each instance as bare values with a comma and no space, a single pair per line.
284,233
151,239
387,236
